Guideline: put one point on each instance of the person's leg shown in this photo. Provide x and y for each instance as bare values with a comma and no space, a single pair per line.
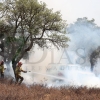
21,79
17,78
2,75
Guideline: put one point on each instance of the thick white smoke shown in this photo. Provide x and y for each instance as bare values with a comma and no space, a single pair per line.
85,38
69,66
75,69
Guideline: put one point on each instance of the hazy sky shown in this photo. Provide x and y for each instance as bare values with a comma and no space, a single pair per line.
73,9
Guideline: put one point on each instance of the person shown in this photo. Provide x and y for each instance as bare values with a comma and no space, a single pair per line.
2,69
18,71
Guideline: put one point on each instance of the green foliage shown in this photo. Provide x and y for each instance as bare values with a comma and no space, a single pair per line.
28,22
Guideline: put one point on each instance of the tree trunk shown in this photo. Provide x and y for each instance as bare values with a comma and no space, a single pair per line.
14,66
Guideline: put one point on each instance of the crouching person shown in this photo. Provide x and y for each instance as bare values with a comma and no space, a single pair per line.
2,69
18,71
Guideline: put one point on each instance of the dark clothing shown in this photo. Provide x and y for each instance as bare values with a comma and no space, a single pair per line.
2,75
2,71
18,77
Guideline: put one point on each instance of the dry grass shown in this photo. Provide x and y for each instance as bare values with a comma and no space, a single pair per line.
10,91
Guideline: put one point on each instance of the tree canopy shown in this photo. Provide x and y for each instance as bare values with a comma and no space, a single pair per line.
25,23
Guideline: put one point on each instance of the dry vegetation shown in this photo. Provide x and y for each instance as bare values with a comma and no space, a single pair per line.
10,91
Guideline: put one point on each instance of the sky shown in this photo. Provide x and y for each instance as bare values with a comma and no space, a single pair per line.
73,9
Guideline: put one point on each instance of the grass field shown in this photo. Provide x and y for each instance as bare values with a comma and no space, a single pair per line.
11,91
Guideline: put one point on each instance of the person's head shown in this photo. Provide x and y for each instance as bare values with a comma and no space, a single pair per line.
2,62
19,64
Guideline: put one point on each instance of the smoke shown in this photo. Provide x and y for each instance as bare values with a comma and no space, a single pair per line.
69,66
85,38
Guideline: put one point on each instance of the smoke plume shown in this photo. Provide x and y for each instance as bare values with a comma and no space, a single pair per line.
69,66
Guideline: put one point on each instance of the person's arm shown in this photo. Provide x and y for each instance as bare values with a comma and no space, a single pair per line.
23,71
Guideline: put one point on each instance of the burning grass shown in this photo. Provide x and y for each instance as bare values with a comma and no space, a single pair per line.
11,91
